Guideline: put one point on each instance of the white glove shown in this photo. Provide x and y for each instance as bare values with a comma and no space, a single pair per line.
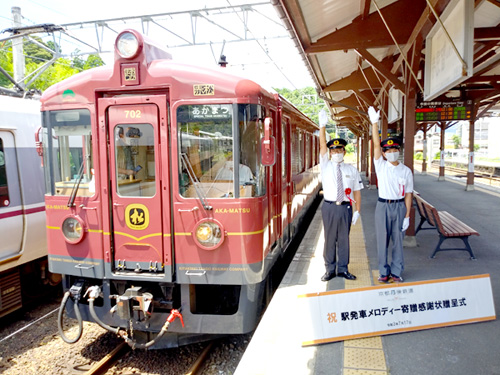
374,115
355,217
323,118
406,224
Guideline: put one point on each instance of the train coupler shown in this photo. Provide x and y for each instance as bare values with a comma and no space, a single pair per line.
133,300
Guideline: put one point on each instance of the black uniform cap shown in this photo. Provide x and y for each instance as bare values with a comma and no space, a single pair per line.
391,142
336,143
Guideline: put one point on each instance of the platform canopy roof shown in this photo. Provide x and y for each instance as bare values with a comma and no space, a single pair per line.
357,50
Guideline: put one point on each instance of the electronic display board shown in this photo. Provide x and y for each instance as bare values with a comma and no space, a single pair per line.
443,111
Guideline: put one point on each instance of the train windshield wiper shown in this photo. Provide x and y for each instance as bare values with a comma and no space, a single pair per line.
194,181
76,185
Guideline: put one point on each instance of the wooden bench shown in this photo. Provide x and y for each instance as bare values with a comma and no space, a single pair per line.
422,213
446,224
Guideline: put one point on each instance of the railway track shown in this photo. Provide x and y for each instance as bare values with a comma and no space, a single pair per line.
123,349
479,177
109,359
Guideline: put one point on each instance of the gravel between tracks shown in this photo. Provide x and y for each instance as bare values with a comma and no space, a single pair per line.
39,350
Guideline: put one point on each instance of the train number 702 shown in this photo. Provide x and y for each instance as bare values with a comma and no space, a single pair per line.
133,113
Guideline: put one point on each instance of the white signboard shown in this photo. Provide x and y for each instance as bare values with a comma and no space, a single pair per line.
443,67
395,105
394,308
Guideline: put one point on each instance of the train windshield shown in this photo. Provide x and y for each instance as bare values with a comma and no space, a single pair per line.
208,151
68,152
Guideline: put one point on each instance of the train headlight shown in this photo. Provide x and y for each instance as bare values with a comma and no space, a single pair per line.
127,45
73,229
209,234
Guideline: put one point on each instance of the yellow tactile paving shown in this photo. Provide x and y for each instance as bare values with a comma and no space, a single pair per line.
362,356
368,359
368,342
351,371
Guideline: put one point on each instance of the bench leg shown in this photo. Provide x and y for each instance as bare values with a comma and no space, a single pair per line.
465,239
422,221
438,247
469,249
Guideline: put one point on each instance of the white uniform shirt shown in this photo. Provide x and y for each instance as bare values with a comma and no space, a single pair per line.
350,178
393,181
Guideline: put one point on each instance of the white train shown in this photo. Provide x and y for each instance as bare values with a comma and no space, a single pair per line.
23,244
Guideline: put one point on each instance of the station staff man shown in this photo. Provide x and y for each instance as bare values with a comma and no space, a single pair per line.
341,188
392,213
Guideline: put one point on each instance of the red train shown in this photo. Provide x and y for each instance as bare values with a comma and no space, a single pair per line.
147,218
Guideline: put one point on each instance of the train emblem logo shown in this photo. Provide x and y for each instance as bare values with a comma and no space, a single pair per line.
137,216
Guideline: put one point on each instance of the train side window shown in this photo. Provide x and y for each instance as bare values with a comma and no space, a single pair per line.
307,139
4,187
284,150
68,152
251,130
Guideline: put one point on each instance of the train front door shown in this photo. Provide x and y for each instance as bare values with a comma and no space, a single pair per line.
140,208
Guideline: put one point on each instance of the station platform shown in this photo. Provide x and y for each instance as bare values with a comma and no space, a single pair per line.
276,346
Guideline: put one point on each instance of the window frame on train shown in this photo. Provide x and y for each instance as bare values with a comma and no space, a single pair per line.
61,130
207,154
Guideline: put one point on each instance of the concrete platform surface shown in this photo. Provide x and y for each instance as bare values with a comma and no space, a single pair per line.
275,347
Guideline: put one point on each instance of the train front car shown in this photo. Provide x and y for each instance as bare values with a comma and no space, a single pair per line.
159,203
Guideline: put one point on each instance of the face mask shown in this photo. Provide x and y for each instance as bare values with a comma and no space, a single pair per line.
337,158
392,156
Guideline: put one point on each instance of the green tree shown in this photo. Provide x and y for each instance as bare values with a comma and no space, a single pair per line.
93,61
456,141
306,100
6,63
57,72
35,53
37,56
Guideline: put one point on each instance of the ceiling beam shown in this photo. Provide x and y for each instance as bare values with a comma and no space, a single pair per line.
355,81
365,8
365,96
368,57
350,101
486,34
371,32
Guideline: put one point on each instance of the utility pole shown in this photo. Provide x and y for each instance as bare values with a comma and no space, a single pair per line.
17,49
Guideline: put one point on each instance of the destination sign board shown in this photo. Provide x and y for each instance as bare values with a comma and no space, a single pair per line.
443,111
210,112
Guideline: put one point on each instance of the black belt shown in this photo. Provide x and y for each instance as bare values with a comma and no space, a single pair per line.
338,203
390,200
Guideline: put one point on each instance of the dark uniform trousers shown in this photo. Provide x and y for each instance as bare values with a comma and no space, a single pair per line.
388,222
337,225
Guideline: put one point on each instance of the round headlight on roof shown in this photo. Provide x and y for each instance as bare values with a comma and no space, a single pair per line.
127,45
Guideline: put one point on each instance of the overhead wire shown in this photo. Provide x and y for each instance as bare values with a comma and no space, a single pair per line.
264,50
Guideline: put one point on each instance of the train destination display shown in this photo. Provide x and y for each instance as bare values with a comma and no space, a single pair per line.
443,111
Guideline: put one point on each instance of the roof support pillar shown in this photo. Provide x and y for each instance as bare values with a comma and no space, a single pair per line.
410,239
364,152
373,176
424,151
441,149
470,174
